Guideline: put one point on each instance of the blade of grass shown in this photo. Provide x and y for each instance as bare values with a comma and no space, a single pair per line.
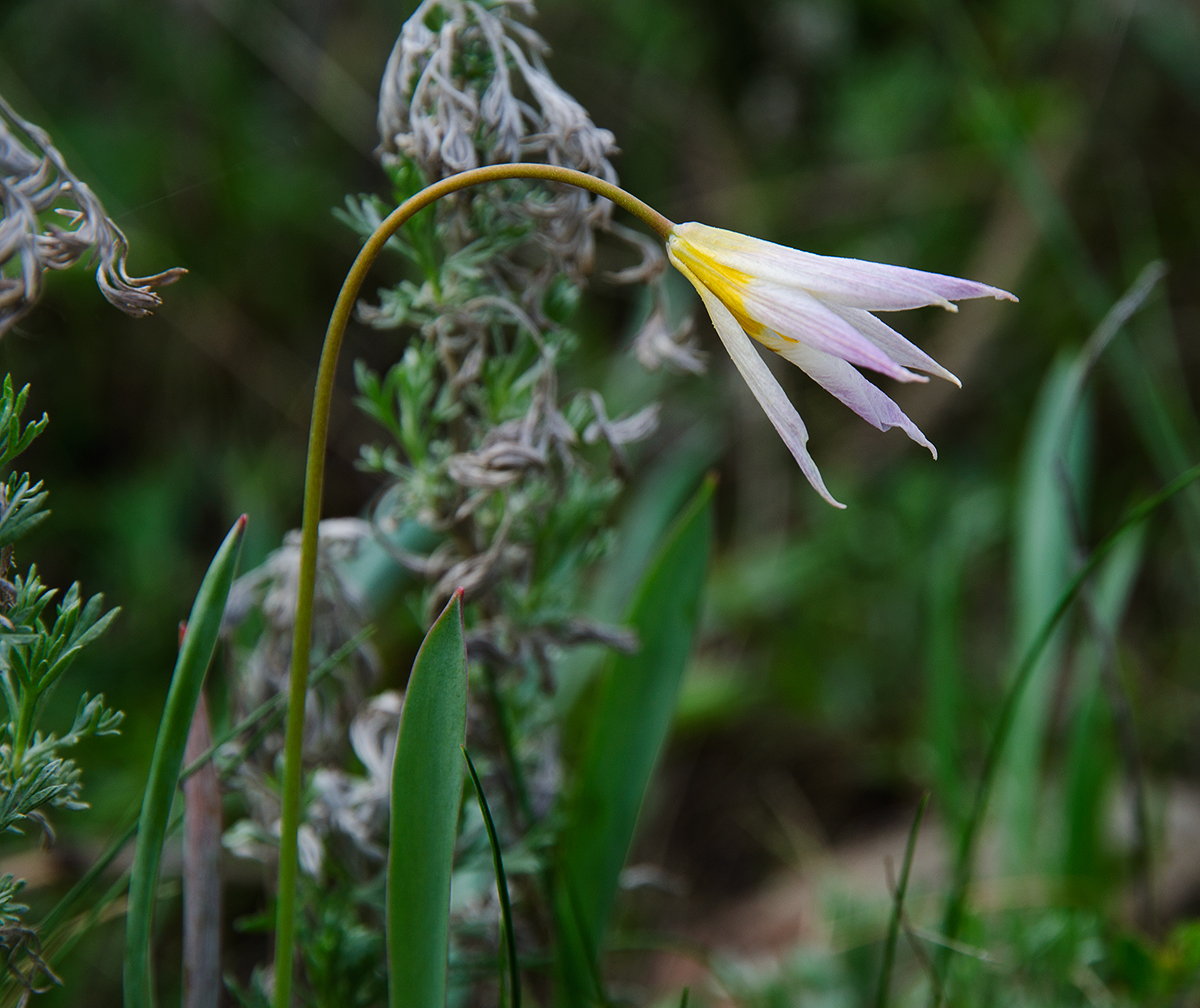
506,919
1058,442
1090,755
964,858
893,931
628,727
427,778
95,915
195,654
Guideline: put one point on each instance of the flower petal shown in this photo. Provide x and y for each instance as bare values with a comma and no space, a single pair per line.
841,380
762,384
891,342
797,316
852,282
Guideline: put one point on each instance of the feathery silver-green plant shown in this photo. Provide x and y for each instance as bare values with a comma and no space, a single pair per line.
495,479
39,641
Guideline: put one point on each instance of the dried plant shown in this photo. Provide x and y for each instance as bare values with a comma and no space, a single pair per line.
510,479
34,182
466,85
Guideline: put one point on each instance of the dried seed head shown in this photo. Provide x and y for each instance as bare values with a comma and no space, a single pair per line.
35,180
475,91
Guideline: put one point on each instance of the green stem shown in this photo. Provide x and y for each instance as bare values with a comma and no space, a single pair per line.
893,931
314,480
29,699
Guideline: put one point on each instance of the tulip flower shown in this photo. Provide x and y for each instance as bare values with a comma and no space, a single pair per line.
816,312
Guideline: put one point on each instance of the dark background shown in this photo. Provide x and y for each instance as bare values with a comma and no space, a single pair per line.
1052,148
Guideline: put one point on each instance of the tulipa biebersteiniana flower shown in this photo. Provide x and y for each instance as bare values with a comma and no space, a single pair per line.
814,311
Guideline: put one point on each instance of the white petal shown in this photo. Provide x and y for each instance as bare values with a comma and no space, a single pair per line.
841,380
762,384
891,342
852,282
795,314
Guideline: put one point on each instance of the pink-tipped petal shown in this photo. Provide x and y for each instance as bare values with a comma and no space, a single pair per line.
841,380
795,314
763,385
891,342
855,283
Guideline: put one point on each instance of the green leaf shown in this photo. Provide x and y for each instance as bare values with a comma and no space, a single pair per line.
506,921
427,779
195,654
969,836
14,440
645,520
1051,502
634,708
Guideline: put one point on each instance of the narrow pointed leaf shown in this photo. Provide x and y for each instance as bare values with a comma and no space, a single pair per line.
634,708
1052,500
427,779
195,654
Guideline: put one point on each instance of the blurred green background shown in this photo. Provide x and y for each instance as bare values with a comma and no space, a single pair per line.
1046,146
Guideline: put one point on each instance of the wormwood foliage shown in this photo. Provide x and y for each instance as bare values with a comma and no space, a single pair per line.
40,639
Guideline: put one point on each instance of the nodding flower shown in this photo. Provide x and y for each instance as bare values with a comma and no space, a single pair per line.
815,311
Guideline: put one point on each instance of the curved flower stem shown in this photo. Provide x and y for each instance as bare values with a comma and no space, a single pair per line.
314,485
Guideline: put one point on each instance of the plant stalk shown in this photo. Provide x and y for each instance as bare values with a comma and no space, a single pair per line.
29,698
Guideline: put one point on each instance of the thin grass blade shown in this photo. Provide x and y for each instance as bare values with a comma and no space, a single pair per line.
506,918
893,931
971,527
645,520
